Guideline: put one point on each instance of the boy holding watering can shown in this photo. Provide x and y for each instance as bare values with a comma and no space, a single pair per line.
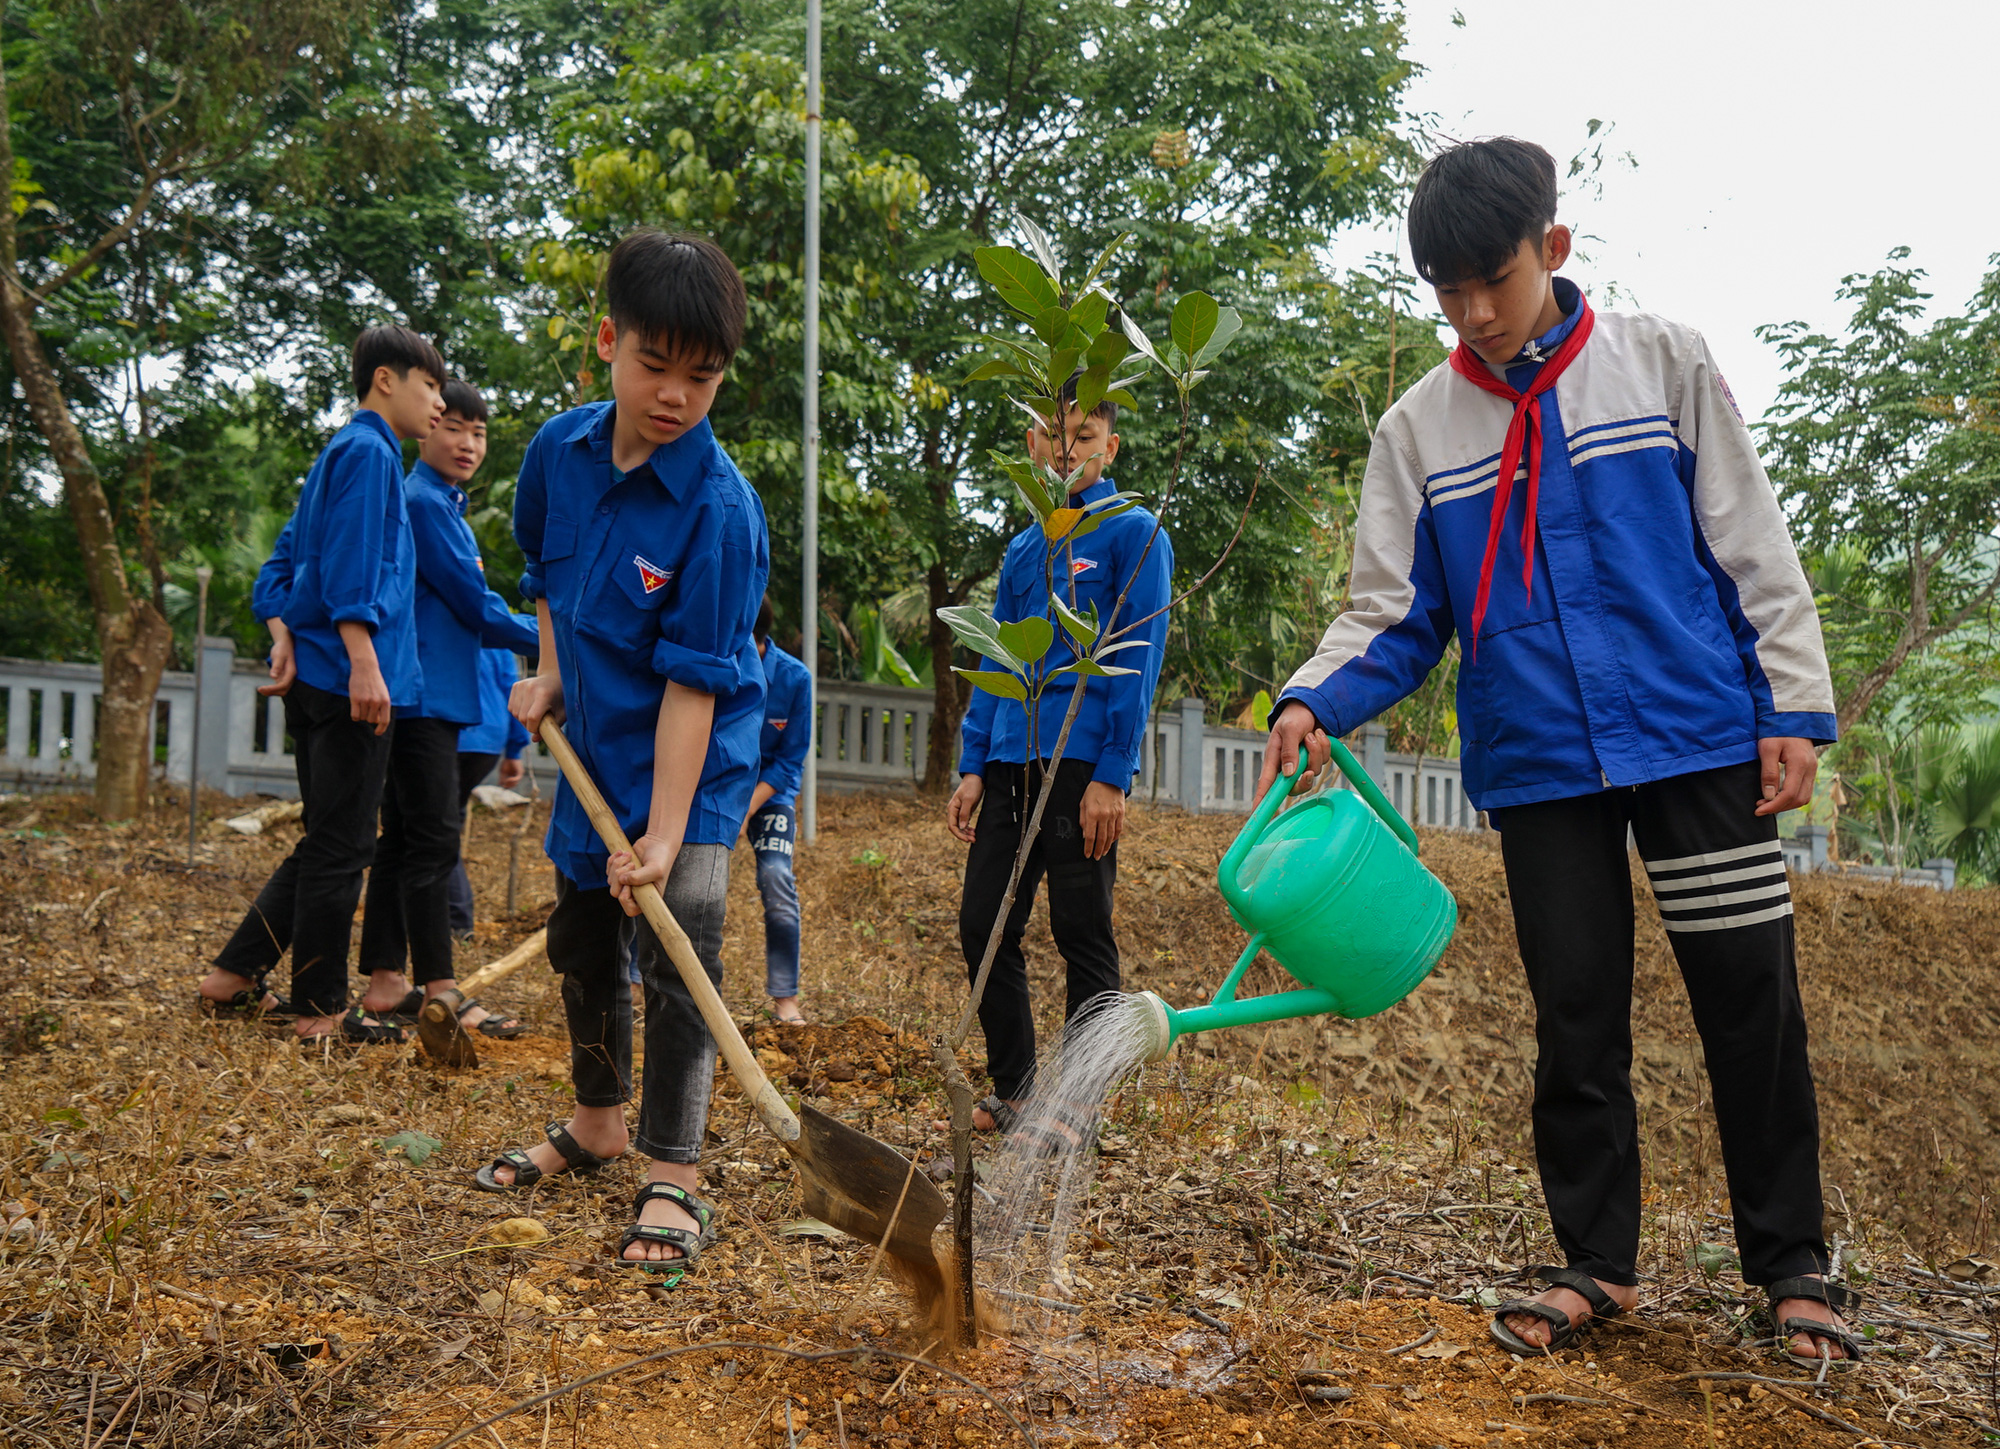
1576,497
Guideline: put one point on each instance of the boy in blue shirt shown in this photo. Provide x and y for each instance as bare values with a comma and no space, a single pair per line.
773,822
1576,497
647,556
408,919
344,656
1077,846
497,739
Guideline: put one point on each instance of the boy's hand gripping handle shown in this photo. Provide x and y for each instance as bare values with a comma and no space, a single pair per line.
770,1107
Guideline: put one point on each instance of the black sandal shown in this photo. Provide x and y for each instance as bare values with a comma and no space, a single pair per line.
1005,1118
404,1012
1566,1329
506,1029
578,1161
1835,1296
356,1026
689,1244
247,1005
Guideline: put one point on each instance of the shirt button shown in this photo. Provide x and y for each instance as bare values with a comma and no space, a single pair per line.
604,508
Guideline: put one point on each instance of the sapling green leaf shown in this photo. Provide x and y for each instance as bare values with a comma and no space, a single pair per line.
1021,284
1087,316
999,367
1027,476
994,681
1062,362
1028,639
1051,324
976,630
1193,323
1080,627
1107,350
1228,323
1096,517
1103,260
1137,335
1090,389
1038,242
1095,670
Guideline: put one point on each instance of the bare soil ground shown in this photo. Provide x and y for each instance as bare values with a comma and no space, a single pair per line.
212,1236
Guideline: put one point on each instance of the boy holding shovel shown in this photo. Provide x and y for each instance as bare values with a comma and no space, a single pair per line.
1577,497
647,558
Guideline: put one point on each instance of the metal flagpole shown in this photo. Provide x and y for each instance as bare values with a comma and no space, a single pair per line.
809,559
201,577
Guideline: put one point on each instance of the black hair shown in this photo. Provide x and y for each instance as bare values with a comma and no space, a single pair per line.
761,630
396,348
681,293
463,398
1106,408
1476,203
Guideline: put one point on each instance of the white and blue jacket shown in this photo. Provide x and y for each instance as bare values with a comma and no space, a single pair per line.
1670,626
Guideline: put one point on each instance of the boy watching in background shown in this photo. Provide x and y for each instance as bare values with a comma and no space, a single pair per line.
344,656
1077,846
1576,497
773,823
647,556
408,920
497,739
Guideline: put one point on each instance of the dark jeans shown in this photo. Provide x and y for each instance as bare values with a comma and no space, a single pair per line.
772,831
308,903
589,934
408,918
472,768
1719,881
1080,891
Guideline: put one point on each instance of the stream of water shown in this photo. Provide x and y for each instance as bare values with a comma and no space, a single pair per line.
1041,1176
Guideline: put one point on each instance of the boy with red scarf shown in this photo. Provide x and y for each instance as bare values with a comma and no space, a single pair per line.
1577,498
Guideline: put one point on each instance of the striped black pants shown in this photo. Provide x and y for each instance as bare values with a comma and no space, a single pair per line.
1719,882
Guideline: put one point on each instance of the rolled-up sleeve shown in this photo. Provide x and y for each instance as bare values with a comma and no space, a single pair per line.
703,625
353,513
531,516
273,589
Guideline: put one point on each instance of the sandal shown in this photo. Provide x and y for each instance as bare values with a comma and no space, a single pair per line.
404,1012
689,1244
578,1161
246,1005
1835,1296
505,1028
1005,1118
367,1029
1566,1329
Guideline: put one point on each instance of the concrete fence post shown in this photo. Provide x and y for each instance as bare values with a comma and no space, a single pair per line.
1375,753
217,665
1192,744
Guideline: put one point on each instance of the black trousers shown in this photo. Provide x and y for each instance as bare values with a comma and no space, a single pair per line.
473,767
1080,892
308,904
1719,880
409,890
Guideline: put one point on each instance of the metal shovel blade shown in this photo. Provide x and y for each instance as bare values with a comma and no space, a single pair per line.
852,1182
445,1039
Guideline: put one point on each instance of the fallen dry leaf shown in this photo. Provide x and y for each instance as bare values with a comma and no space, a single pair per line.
516,1232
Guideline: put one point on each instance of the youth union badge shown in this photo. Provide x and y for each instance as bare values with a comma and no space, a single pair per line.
1081,566
651,575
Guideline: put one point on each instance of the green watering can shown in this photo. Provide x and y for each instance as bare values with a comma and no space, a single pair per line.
1334,891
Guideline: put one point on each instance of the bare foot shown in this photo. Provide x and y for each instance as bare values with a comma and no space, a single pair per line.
596,1129
982,1120
664,1213
1539,1331
386,991
316,1028
786,1009
1809,1345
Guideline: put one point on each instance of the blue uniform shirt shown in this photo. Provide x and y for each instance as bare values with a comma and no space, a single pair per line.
1110,728
497,732
788,724
273,588
353,562
651,577
457,615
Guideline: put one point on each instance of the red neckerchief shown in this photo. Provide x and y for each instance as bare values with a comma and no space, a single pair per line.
1526,425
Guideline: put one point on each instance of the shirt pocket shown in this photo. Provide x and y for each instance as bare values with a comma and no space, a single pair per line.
627,596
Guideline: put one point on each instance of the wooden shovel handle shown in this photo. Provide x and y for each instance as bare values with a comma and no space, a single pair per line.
779,1118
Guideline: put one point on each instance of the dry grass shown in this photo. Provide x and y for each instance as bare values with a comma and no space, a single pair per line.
214,1246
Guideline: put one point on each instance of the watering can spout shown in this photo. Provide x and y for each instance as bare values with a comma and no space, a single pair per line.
1162,1026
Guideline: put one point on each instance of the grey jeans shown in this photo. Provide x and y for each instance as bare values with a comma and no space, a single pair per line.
588,936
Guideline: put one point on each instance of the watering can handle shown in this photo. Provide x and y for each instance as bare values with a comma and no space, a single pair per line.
1366,788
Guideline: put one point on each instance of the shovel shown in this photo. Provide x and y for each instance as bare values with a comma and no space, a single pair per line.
850,1181
445,1040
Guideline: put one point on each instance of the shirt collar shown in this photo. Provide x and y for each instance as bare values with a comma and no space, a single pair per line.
677,466
1103,488
1569,297
425,474
369,418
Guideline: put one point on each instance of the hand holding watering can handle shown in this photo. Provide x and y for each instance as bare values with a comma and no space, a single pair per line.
1365,787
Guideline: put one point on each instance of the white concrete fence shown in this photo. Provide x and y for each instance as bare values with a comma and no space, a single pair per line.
868,736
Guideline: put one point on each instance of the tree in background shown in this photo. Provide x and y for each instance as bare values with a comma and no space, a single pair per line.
1885,445
130,106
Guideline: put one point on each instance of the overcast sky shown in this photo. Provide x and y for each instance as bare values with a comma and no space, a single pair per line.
1780,146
